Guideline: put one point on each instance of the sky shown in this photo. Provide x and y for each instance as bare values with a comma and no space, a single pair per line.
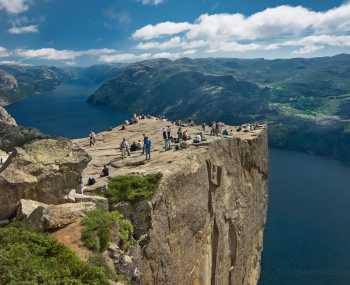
85,32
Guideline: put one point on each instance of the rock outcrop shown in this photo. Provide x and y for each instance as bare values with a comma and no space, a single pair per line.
45,171
6,117
205,224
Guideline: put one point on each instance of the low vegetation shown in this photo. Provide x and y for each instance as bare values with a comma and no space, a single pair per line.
132,188
28,257
99,226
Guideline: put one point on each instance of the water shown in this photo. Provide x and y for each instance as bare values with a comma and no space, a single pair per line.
65,112
307,238
308,231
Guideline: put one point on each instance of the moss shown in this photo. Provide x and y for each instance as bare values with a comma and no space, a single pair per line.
28,257
98,226
132,188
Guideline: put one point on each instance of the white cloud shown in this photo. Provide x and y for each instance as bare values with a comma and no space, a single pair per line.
61,55
13,62
151,2
23,30
14,6
121,57
4,52
155,31
268,30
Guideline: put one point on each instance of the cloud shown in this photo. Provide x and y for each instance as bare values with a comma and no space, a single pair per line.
13,62
151,2
60,55
23,30
4,52
270,29
14,6
155,31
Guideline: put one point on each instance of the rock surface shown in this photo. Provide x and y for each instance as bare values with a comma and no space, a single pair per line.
6,117
44,171
53,217
206,222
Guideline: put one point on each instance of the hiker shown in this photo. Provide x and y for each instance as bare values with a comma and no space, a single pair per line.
212,130
92,138
197,139
203,127
139,145
105,171
225,132
133,146
148,147
144,141
165,138
124,146
179,134
185,135
123,128
81,185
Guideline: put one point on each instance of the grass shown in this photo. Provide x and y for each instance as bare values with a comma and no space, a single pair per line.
98,226
132,188
28,257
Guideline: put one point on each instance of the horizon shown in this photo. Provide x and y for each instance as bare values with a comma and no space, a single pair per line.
170,59
105,31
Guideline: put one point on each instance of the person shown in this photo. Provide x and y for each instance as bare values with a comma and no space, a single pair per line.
197,139
225,132
203,127
81,185
124,146
144,141
213,127
148,147
185,135
139,145
165,138
92,137
133,146
179,134
123,128
105,171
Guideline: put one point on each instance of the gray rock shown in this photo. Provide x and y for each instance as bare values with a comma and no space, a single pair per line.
53,217
27,207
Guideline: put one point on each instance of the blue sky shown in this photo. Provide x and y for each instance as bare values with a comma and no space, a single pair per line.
83,32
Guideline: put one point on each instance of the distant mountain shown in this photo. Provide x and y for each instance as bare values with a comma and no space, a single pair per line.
20,81
305,101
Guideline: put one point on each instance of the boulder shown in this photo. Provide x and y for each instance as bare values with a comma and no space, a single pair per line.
44,171
27,207
53,217
75,197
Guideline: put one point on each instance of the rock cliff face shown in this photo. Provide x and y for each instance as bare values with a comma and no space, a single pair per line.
205,224
44,171
6,117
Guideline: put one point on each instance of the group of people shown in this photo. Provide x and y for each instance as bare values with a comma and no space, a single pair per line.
146,148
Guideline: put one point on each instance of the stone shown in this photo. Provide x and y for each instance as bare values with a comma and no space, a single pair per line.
53,217
44,171
27,207
99,201
6,117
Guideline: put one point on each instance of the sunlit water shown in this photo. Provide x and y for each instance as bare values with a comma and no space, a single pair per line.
307,238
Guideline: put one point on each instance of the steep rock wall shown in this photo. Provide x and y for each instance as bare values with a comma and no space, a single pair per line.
208,219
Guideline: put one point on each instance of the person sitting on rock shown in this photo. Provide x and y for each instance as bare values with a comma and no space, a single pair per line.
197,139
105,171
225,132
185,135
133,146
123,128
124,147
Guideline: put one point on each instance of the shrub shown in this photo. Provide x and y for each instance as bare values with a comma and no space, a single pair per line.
28,257
98,226
132,188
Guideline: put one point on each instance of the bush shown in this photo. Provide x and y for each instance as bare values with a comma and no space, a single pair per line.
98,226
132,188
28,257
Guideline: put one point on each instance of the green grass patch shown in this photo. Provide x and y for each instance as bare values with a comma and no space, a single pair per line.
132,188
98,227
28,257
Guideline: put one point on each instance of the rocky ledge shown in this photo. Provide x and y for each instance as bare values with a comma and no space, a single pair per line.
45,171
205,223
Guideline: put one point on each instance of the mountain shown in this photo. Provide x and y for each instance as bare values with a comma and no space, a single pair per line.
305,101
20,81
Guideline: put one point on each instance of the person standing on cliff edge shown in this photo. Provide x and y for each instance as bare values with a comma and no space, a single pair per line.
148,147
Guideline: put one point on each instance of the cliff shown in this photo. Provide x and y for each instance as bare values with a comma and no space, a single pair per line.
205,223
